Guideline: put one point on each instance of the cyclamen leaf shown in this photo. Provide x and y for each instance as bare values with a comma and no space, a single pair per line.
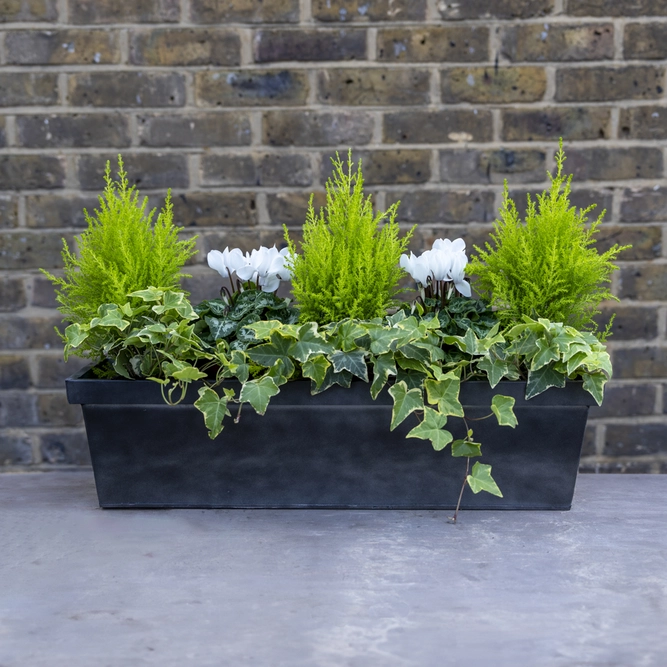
405,402
445,393
214,408
383,367
354,361
316,369
480,480
258,393
220,328
502,408
431,428
542,379
466,448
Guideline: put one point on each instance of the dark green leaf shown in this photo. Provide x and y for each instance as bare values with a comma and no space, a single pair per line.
354,361
466,448
542,379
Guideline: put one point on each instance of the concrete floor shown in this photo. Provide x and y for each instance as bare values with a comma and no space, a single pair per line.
80,586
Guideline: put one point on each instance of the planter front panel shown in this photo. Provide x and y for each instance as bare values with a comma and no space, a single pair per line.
318,453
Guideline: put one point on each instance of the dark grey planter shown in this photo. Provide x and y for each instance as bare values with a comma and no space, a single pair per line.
333,450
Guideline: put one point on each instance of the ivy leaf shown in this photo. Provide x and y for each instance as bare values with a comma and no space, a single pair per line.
309,343
480,480
354,362
188,374
315,369
383,340
542,379
383,366
150,295
112,317
431,428
406,401
445,392
220,328
214,409
575,361
546,353
496,369
411,365
75,334
264,330
411,351
412,379
502,408
466,448
175,301
277,372
268,353
344,379
348,331
258,393
594,385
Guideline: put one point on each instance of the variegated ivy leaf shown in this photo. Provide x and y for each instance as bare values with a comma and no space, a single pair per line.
309,343
594,384
542,379
480,480
175,301
405,402
264,330
315,369
214,408
432,428
354,361
75,334
503,408
111,316
383,366
445,393
258,393
495,368
267,354
466,448
546,353
188,374
152,294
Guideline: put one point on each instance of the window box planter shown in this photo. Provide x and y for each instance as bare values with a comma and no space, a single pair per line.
332,450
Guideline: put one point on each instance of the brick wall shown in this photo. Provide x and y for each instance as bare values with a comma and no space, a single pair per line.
238,104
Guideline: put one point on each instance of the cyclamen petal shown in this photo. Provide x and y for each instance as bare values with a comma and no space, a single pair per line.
216,261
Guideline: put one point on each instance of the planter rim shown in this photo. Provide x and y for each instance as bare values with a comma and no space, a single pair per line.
84,388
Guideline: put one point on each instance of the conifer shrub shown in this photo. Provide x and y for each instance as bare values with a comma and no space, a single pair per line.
547,266
121,251
348,266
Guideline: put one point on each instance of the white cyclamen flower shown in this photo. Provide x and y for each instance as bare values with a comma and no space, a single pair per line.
446,261
266,267
226,262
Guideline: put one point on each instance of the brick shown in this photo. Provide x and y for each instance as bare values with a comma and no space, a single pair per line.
65,447
635,440
52,370
12,294
581,198
454,10
245,239
646,241
644,204
124,11
24,333
127,89
363,10
244,11
9,211
645,41
290,208
73,131
31,250
601,84
377,86
603,164
647,282
426,206
473,235
14,372
630,323
212,129
28,89
43,211
387,166
42,293
433,44
18,408
621,8
315,128
29,172
251,88
208,209
538,42
494,166
267,170
15,449
34,10
203,286
54,410
570,123
3,133
622,400
62,47
164,47
640,362
309,45
649,122
487,85
435,127
145,170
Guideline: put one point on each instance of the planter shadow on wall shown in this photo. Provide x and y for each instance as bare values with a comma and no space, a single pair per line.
332,450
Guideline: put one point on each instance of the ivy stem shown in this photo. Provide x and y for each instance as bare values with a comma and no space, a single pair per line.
238,414
463,486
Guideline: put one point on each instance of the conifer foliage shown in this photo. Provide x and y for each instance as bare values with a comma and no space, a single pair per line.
547,266
121,251
348,266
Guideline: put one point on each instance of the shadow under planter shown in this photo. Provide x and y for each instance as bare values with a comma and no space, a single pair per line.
332,450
